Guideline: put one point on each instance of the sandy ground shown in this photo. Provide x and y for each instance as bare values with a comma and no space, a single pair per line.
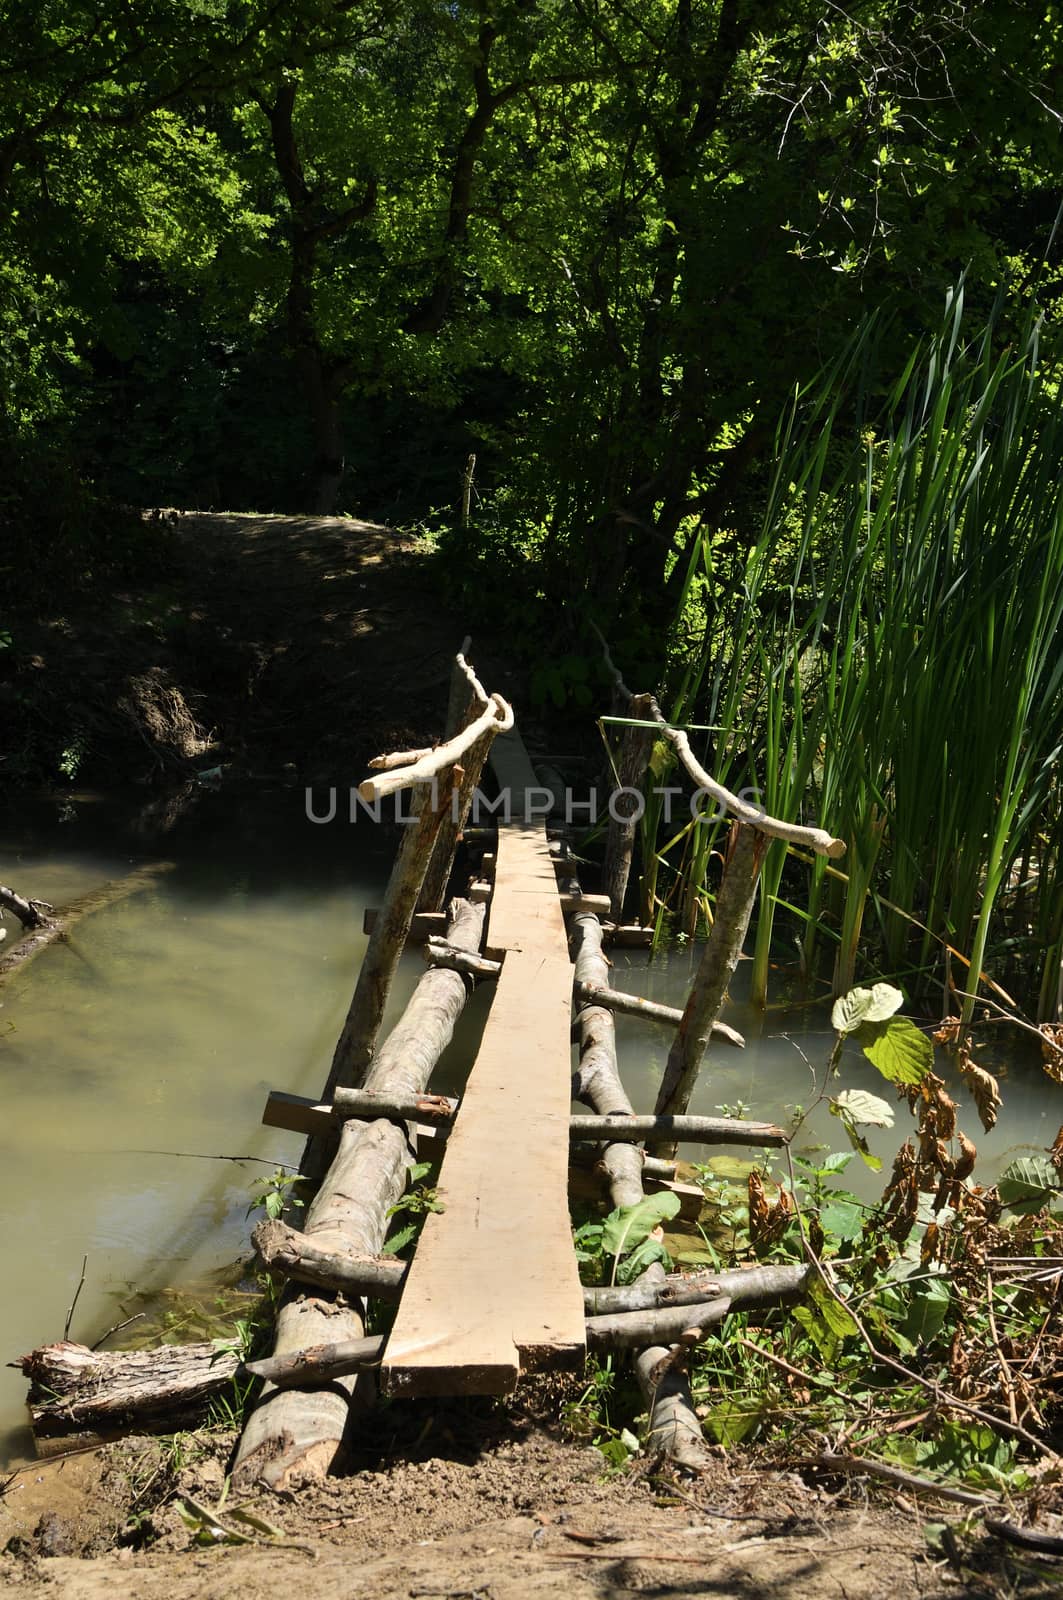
521,1514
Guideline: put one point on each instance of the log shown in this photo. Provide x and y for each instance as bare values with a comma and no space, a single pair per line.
747,1289
816,839
300,1114
368,1104
39,937
283,1249
690,1130
72,1387
622,1331
497,717
440,954
357,1041
466,694
288,1439
30,913
620,838
734,906
597,1082
597,1076
632,1005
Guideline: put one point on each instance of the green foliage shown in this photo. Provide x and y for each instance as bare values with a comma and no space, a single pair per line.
276,1193
623,1244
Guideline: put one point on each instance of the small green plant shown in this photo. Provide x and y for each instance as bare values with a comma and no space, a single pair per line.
420,1200
276,1193
625,1242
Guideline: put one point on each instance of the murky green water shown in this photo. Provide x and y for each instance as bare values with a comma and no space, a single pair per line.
147,1046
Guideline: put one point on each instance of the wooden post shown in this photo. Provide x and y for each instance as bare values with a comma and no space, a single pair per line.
734,906
620,838
288,1438
467,695
673,1420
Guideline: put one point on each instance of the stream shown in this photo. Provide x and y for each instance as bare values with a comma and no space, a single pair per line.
135,1060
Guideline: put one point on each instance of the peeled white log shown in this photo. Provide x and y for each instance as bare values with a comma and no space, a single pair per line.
290,1438
496,718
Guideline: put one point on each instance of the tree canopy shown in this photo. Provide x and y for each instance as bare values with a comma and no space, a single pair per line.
309,255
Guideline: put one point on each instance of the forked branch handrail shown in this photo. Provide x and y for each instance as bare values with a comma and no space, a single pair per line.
817,839
497,717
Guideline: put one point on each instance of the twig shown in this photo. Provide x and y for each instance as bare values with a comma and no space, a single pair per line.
73,1303
116,1329
1028,1538
1005,1370
776,1361
904,1480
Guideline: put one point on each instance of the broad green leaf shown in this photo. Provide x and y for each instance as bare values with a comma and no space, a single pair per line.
876,1004
732,1421
1028,1184
863,1110
629,1225
841,1219
643,1256
834,1315
930,1304
898,1049
400,1240
730,1167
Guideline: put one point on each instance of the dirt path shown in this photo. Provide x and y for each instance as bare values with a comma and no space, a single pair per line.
520,1516
271,644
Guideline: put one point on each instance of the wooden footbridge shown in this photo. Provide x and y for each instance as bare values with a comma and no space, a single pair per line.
493,1290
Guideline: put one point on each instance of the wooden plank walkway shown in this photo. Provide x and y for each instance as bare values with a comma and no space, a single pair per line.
494,1288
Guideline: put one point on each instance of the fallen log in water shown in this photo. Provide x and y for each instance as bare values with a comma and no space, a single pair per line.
48,929
290,1438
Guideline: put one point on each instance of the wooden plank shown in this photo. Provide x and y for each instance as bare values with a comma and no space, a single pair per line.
493,1289
525,912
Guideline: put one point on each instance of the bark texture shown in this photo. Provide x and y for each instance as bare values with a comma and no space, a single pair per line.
734,906
291,1438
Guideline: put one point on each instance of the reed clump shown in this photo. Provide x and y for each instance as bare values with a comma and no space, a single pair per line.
881,652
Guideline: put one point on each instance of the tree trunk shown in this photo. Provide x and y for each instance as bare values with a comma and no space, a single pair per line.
734,906
288,1439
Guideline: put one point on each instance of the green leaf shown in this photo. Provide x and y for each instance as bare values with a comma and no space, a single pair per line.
859,1144
842,1219
865,1005
627,1226
400,1240
643,1256
1028,1184
930,1304
862,1110
898,1049
834,1315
